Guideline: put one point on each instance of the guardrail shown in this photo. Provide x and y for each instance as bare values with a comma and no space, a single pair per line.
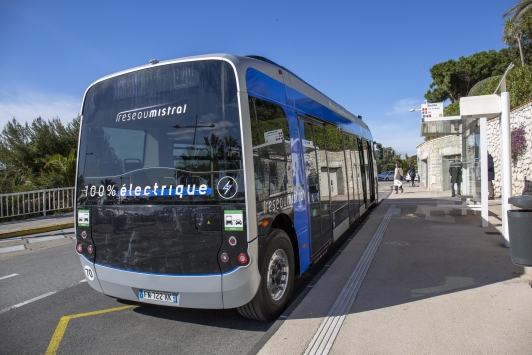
39,201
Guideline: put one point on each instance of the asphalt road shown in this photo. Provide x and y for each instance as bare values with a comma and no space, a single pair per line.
28,328
38,273
48,288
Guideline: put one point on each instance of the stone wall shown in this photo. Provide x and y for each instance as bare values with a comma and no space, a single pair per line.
522,169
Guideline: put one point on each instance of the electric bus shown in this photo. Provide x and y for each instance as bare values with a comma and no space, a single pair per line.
214,181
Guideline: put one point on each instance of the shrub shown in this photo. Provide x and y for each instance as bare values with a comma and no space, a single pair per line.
519,85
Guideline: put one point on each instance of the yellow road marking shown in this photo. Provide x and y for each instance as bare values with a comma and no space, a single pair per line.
63,323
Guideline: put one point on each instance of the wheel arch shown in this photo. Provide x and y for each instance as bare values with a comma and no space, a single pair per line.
283,222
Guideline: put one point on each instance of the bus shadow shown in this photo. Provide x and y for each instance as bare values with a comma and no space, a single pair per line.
219,318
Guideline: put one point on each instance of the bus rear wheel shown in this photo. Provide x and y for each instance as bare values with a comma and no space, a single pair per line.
277,280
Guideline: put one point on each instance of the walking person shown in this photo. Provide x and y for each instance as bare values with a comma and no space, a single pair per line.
412,174
397,177
455,170
491,177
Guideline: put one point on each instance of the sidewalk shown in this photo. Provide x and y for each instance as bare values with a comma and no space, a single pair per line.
36,225
436,283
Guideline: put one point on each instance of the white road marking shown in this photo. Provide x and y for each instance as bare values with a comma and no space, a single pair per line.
10,249
397,243
8,276
10,239
28,301
44,239
39,297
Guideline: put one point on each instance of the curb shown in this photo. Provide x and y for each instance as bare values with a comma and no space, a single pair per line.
27,231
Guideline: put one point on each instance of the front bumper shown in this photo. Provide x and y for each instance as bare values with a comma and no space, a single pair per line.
229,290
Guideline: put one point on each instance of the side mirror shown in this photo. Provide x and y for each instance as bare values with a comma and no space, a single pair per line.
381,153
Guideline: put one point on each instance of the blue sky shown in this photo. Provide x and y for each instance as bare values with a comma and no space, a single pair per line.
372,58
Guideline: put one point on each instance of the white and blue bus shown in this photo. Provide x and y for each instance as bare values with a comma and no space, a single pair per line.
213,181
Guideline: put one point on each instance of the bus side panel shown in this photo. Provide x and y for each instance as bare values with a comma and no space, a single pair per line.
307,105
262,85
292,202
301,221
343,123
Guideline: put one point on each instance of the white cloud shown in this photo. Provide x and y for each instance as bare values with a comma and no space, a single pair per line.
26,105
403,106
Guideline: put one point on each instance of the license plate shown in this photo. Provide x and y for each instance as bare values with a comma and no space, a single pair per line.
158,296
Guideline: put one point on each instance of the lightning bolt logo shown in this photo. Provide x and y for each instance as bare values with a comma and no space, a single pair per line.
226,188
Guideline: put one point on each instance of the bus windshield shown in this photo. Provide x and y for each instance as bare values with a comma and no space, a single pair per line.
162,135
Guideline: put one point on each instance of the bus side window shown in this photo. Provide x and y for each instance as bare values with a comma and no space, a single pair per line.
271,148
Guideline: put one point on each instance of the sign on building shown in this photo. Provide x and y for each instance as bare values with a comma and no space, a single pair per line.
275,136
432,110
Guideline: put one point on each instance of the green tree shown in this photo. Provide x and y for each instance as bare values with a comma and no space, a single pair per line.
65,166
27,145
452,109
519,84
518,32
454,78
408,161
520,10
389,158
26,148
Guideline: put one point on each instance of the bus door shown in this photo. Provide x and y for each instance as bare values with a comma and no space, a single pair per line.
363,171
371,174
351,172
318,189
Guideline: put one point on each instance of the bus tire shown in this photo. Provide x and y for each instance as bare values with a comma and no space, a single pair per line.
277,280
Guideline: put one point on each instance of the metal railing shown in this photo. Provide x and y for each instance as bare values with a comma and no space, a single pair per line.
39,201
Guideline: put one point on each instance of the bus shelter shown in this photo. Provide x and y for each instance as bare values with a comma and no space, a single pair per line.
471,127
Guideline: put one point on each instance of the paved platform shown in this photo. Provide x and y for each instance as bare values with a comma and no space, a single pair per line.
416,279
36,225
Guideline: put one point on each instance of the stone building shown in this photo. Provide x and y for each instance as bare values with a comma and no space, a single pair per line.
433,161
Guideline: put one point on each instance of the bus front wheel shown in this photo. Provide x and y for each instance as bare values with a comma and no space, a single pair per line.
277,280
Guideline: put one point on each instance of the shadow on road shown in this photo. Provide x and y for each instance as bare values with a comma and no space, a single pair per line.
220,318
